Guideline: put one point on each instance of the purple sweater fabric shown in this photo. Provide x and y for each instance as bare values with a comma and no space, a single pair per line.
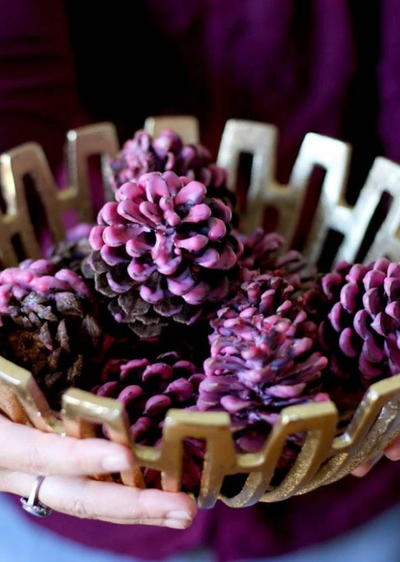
305,66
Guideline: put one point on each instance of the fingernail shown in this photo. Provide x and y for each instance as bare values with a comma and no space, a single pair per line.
177,523
179,515
393,456
115,464
393,453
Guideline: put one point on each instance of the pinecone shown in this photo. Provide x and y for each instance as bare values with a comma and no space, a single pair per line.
148,390
262,252
48,325
70,253
359,331
143,154
263,358
162,251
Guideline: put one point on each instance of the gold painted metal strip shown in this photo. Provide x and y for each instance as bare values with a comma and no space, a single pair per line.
383,177
82,411
214,428
14,165
98,139
319,421
332,211
354,446
260,140
22,384
186,126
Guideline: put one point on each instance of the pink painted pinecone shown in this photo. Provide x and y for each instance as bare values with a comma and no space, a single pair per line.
361,325
49,325
148,390
162,251
167,152
262,252
263,358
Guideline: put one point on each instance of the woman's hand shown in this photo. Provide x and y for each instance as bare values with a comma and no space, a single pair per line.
66,462
392,452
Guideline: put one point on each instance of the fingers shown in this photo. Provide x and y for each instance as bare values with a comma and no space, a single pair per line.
81,497
393,451
364,468
28,450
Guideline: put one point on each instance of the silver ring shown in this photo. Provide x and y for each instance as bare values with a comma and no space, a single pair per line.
32,504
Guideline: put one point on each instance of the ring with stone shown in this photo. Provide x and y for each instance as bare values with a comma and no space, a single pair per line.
32,504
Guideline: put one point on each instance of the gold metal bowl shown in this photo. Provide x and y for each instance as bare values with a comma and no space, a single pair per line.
325,456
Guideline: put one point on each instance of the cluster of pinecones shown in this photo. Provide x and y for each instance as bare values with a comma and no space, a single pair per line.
175,308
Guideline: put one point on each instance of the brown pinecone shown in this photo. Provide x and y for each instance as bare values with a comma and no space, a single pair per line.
49,326
70,253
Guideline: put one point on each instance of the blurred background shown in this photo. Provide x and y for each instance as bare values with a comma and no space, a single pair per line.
332,67
328,67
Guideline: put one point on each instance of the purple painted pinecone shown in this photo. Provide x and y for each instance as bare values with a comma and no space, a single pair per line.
263,358
360,331
48,325
167,152
262,252
148,391
162,251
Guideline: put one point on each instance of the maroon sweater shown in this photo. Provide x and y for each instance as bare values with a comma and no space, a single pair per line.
303,66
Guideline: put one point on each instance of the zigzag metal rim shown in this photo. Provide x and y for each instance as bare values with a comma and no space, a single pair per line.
323,459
